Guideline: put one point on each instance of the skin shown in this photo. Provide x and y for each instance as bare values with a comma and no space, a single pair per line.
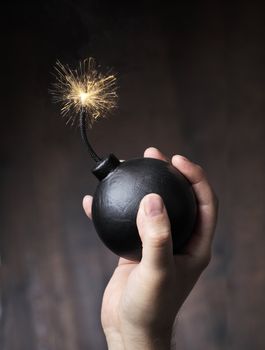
143,298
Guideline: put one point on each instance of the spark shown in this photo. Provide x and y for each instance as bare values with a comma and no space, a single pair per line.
84,89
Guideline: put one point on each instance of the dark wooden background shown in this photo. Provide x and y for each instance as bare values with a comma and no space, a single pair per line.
191,81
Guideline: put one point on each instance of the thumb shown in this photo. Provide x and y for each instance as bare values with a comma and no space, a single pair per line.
154,229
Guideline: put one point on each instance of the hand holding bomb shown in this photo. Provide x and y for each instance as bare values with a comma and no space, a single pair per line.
122,185
119,193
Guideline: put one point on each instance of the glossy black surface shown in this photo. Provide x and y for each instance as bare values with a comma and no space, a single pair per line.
118,195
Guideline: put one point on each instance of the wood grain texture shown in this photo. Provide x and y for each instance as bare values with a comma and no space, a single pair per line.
191,82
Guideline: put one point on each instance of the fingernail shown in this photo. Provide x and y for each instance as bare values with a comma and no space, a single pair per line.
153,205
180,156
87,198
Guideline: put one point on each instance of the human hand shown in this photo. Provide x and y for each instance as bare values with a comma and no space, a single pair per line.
142,298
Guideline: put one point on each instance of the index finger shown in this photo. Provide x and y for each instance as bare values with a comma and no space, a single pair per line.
152,152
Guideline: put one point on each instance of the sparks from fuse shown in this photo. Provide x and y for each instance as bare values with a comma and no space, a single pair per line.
84,89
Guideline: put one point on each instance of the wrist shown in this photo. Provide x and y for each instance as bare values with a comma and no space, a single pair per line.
139,340
114,340
134,340
147,344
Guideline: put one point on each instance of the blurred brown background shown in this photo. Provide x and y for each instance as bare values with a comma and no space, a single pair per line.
191,81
